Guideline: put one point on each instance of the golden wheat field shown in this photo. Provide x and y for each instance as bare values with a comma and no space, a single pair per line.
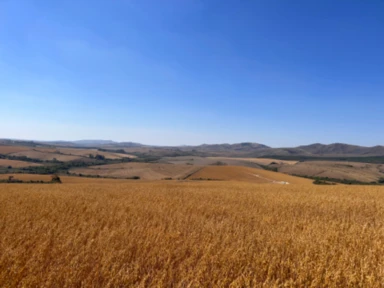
190,234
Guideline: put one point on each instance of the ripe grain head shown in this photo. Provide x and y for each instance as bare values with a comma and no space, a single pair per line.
194,234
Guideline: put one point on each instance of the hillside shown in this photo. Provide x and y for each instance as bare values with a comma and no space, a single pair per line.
145,171
339,170
238,147
245,174
342,149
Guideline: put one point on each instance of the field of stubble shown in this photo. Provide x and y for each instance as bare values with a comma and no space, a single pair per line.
183,234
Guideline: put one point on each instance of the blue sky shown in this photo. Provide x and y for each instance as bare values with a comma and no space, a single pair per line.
171,72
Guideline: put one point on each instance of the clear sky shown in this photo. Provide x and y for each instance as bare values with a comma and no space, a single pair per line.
171,72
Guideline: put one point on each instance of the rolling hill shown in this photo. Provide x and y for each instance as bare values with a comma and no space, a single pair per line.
245,174
245,149
337,149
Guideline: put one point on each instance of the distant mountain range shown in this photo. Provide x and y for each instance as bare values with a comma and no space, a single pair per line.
339,148
313,150
331,150
91,143
246,149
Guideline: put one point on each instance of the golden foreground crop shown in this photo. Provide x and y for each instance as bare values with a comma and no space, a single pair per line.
191,234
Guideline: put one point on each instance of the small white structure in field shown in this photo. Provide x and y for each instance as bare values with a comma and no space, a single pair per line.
281,182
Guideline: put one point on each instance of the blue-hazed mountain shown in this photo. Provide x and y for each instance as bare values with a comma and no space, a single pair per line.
245,149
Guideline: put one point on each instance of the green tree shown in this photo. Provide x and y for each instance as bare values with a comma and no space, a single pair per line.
100,157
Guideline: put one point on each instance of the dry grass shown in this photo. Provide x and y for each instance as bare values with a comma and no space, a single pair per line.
85,180
16,163
47,150
204,161
64,179
146,171
27,177
236,173
61,154
342,170
199,234
87,152
44,156
262,161
13,149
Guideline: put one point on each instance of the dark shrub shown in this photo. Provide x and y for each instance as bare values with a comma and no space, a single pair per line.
55,179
